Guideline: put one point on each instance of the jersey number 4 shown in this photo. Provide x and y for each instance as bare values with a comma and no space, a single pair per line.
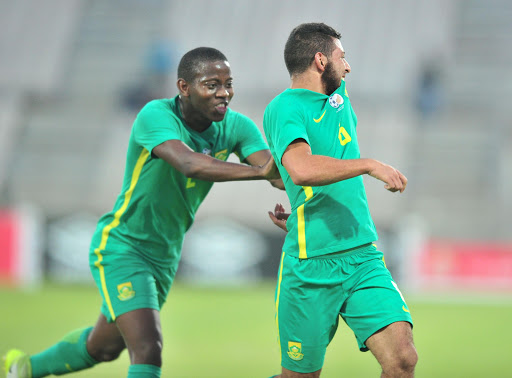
343,136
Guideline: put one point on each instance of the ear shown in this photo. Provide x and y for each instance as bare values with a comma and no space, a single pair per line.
183,87
320,61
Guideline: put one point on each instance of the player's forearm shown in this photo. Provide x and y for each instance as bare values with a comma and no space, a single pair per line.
211,169
203,167
318,170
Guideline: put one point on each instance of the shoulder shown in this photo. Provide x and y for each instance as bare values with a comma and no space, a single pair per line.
285,101
160,105
282,97
234,119
158,110
288,104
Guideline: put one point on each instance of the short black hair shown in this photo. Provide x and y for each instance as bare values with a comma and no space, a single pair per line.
304,42
190,62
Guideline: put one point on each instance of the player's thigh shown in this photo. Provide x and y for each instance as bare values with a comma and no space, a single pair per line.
285,373
375,301
127,282
141,328
307,302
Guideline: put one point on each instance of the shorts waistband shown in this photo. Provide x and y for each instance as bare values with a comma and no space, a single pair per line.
347,252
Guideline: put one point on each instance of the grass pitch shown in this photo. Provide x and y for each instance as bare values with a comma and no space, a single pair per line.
230,332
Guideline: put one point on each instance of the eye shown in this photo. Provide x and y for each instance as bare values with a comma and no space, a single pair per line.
211,85
229,84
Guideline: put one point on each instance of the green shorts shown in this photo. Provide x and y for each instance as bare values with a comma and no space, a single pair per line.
129,282
313,293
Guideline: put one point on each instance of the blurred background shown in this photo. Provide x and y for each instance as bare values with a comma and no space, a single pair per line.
431,84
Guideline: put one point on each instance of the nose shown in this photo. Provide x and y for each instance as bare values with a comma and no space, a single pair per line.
224,91
347,66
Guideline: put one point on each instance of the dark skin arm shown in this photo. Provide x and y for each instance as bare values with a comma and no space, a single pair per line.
207,168
260,158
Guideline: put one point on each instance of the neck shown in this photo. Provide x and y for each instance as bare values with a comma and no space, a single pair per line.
308,80
191,117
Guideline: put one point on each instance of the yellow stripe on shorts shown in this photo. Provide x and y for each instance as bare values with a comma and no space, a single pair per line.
117,216
277,301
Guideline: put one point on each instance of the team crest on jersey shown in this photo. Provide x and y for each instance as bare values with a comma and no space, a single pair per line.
206,151
126,291
335,100
222,155
295,351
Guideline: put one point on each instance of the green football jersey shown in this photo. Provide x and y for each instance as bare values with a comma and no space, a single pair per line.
157,203
330,218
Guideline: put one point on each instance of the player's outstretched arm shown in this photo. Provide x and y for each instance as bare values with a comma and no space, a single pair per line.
306,169
207,168
260,158
279,217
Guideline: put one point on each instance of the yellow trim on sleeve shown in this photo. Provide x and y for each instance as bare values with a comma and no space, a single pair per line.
117,216
277,301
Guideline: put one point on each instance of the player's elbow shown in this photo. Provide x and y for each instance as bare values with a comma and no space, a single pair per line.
190,169
302,177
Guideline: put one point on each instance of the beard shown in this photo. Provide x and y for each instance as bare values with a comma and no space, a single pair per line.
330,79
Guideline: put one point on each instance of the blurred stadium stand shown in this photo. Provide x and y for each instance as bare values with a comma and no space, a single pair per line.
66,63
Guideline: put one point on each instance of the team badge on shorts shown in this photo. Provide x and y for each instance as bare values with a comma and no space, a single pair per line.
336,100
125,291
294,351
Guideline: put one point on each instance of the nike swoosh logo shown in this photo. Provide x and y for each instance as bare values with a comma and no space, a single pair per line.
319,119
406,310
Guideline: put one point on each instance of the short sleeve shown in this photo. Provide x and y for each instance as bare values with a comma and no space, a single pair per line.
249,137
283,124
155,124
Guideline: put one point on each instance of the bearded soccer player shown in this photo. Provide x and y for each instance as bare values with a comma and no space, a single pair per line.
177,149
330,267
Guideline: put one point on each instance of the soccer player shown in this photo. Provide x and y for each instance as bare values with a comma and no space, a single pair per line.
177,149
329,264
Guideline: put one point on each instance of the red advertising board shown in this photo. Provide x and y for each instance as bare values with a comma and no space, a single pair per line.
20,246
9,246
466,264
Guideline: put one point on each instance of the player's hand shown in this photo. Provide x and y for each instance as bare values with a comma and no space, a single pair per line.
269,170
394,179
279,216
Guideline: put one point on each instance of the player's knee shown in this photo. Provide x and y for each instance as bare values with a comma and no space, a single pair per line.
106,353
408,359
404,361
106,357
